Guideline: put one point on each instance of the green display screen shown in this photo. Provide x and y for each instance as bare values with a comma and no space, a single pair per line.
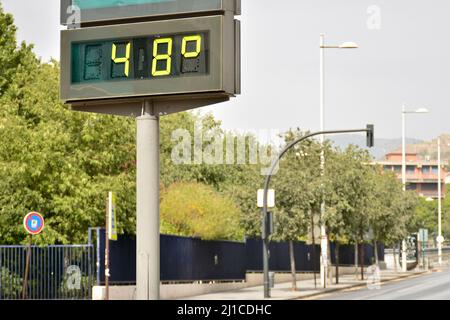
99,4
143,58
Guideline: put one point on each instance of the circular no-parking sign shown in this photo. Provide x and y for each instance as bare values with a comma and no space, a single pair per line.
33,223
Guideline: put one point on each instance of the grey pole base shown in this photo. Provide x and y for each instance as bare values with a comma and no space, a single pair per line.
147,206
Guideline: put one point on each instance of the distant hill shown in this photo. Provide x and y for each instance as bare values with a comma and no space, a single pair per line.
428,149
425,149
382,146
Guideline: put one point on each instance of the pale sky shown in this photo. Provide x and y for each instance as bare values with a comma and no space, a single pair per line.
405,61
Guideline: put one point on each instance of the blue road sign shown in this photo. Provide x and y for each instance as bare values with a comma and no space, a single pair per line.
33,223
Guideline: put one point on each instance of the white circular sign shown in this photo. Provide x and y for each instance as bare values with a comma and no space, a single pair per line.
440,239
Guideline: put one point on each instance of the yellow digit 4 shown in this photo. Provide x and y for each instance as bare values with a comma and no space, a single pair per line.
161,57
125,59
198,46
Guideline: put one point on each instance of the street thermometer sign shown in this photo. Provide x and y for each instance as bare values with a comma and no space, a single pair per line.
178,64
148,58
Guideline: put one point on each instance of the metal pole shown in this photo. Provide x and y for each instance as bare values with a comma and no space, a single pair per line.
404,267
107,252
439,203
265,249
423,252
27,269
323,232
97,263
313,226
403,149
147,205
89,262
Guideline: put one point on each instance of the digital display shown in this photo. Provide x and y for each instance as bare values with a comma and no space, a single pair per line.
143,58
160,60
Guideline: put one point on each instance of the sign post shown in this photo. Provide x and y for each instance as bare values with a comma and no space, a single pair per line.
423,238
148,233
266,199
33,224
110,235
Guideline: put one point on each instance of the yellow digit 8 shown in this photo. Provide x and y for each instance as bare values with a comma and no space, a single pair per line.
198,46
125,59
161,57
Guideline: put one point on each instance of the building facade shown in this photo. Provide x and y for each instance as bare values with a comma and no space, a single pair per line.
421,175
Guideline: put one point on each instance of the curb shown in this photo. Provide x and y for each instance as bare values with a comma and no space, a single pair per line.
416,274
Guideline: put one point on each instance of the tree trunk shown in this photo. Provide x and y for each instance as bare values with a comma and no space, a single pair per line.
361,257
293,268
361,260
313,250
375,250
330,267
336,254
356,259
394,253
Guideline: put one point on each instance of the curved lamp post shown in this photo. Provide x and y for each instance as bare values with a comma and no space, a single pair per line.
370,142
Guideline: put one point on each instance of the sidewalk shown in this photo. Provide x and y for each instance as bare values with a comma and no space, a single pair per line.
305,289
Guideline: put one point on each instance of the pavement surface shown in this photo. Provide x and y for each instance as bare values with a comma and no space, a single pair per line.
307,289
430,286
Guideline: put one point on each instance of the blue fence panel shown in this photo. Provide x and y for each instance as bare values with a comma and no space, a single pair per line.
306,259
189,259
55,272
182,259
122,259
347,254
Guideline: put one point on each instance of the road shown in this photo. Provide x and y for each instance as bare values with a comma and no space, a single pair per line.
434,286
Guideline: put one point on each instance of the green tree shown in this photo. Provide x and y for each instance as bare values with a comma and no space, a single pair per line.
296,185
347,188
14,59
59,162
446,214
390,209
426,215
192,209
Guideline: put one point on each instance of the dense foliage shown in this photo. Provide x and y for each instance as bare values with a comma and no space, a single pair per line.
193,209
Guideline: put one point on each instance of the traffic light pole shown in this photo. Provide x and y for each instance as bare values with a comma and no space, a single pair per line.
370,142
147,205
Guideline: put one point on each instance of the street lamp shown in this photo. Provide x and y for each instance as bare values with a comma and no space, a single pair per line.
404,113
324,239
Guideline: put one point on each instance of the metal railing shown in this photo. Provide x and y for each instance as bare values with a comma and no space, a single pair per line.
55,272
